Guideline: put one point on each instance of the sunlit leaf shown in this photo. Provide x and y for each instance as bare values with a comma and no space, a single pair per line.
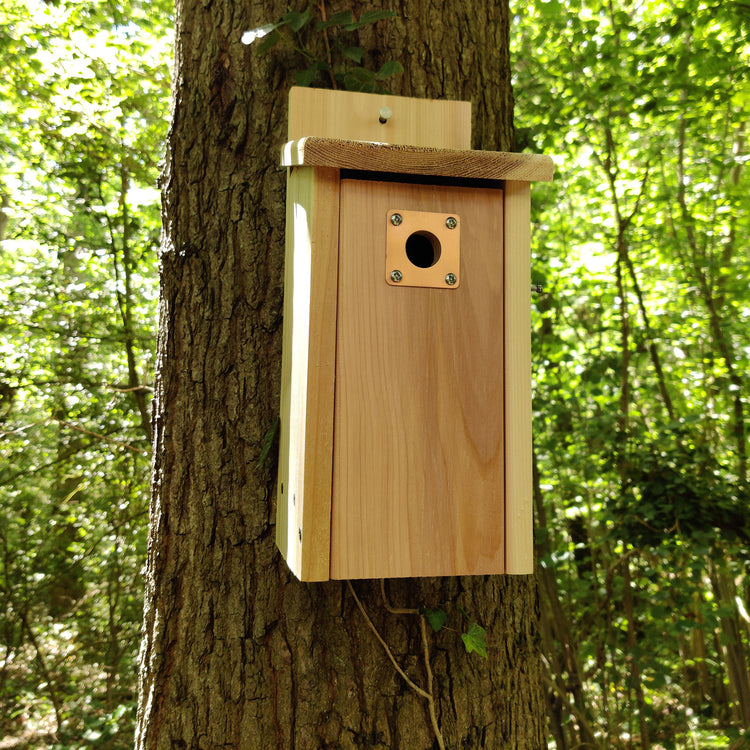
474,640
258,33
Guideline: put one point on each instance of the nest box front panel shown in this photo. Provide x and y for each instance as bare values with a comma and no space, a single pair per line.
418,454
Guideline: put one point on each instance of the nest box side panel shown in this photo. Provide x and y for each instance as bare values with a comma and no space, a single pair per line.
519,556
418,469
303,509
356,116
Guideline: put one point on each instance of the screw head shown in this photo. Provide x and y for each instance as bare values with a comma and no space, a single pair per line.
450,279
396,275
396,219
451,222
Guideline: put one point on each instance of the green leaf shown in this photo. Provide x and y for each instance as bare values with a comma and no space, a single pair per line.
258,33
360,79
271,434
305,77
269,41
343,18
296,19
549,8
436,617
474,640
369,17
389,69
376,15
353,53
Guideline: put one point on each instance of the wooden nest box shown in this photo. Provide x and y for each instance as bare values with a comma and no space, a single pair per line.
406,382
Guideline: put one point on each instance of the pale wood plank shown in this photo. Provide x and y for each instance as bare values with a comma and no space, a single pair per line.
439,162
419,449
519,552
353,115
308,371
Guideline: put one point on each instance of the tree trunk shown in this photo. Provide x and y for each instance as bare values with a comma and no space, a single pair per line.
236,652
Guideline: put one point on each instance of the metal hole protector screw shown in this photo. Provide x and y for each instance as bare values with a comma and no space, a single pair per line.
396,275
450,279
396,219
451,222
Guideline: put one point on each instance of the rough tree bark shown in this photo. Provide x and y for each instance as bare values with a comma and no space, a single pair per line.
236,653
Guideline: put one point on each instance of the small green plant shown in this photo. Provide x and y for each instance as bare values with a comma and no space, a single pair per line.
473,639
325,46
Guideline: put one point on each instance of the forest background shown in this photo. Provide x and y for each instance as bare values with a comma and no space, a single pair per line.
640,355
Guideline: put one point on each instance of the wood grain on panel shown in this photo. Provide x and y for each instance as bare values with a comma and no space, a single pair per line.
308,371
519,554
418,475
440,162
356,116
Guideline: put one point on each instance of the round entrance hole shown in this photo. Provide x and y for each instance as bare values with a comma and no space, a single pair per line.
423,249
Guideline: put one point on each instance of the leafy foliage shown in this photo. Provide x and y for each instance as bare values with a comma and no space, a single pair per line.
326,49
640,358
667,483
85,94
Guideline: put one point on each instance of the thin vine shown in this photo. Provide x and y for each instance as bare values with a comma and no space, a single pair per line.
426,694
473,641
